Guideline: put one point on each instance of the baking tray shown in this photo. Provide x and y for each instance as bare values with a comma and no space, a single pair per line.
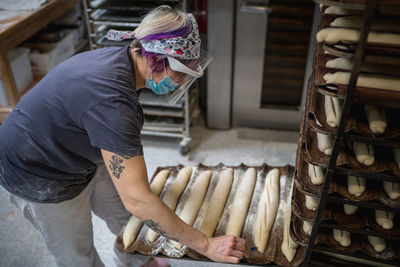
357,124
303,180
272,253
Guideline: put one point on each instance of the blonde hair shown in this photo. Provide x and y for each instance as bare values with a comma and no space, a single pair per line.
160,20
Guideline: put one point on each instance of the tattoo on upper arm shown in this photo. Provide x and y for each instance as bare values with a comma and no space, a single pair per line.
115,164
156,228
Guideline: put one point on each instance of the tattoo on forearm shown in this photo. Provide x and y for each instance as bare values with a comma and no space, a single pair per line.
156,228
115,165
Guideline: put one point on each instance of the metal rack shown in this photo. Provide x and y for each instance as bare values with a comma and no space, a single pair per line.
368,8
161,119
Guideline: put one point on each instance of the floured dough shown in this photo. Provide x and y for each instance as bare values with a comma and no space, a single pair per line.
335,10
356,185
316,173
217,202
364,80
335,35
133,226
288,247
342,237
267,208
307,227
311,203
376,118
364,153
375,68
350,209
193,203
384,218
325,143
172,195
356,22
339,63
396,154
378,243
240,204
392,189
333,110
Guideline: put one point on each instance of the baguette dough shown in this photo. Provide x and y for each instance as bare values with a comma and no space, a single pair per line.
392,189
288,247
364,80
384,218
240,204
307,227
342,237
364,153
193,203
133,226
350,209
357,22
316,173
325,143
311,203
339,63
396,154
217,202
356,185
335,35
335,10
378,243
172,195
375,68
333,110
376,118
267,208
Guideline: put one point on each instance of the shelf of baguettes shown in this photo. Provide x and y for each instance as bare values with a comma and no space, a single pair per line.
359,225
364,158
367,123
380,223
352,218
377,81
372,246
309,178
242,199
356,188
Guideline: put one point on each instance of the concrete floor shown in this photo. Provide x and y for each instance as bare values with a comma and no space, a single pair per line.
21,245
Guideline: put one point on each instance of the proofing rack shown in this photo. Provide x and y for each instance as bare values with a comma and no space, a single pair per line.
161,119
331,194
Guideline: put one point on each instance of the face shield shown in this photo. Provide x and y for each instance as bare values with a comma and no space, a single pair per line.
185,73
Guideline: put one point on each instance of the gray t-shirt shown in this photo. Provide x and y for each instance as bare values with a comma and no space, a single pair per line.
50,143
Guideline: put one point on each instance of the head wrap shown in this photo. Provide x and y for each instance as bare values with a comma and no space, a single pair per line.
184,47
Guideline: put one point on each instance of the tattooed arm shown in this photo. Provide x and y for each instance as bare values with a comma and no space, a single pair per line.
130,179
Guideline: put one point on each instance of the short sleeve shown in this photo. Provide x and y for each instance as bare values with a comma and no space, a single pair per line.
114,125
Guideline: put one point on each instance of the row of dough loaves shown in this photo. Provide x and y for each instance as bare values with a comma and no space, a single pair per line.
265,216
376,116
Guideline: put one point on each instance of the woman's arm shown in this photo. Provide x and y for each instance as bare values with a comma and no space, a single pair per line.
130,179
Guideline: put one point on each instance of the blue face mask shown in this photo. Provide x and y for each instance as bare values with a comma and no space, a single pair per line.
164,87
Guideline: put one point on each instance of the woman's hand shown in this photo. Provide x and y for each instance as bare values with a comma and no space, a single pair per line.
227,249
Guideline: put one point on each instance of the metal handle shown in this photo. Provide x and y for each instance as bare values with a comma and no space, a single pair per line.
255,8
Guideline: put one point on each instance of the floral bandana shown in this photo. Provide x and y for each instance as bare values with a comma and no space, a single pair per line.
185,47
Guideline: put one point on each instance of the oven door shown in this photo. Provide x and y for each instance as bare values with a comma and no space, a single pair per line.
272,62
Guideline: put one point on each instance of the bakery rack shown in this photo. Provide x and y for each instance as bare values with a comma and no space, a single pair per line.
161,119
332,194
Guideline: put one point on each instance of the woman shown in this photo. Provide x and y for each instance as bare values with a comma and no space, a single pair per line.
72,144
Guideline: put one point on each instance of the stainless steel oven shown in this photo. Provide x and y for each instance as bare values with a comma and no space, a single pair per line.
273,48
